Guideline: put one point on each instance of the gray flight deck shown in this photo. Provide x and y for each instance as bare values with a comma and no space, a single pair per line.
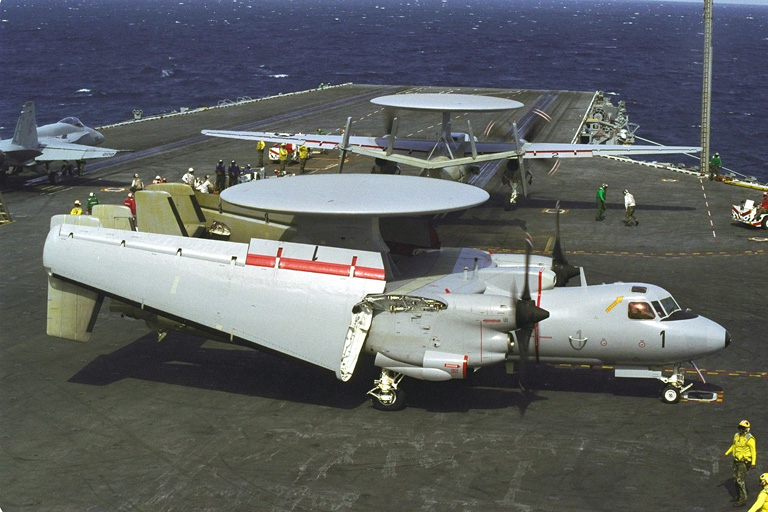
126,423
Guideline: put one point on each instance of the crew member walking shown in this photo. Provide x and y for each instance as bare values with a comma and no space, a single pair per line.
629,206
744,452
601,201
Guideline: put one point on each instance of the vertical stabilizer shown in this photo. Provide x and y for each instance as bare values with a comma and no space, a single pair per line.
26,127
72,310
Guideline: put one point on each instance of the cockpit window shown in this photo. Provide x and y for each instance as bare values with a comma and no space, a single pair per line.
666,307
641,311
670,306
73,121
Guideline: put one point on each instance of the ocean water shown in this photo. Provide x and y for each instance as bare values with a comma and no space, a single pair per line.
100,59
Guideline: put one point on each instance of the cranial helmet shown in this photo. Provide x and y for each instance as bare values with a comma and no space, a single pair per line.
91,194
744,423
764,478
77,202
191,169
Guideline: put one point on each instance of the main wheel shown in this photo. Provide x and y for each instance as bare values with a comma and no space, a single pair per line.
397,403
670,395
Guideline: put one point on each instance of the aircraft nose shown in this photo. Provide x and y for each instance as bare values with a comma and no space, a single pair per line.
727,338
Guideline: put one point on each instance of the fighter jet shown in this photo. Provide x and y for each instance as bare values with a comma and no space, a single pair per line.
71,130
324,288
453,154
68,139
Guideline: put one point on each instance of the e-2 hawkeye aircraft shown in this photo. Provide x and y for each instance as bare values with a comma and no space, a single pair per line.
69,139
453,154
326,289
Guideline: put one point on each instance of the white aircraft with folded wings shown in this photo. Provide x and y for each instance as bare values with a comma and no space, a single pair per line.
322,286
69,139
453,154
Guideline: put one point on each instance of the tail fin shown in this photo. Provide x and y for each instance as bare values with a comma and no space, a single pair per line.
72,310
26,127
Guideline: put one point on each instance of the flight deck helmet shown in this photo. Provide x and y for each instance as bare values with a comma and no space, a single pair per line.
77,202
764,479
744,424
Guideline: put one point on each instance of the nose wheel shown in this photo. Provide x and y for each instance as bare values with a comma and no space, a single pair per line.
385,396
675,385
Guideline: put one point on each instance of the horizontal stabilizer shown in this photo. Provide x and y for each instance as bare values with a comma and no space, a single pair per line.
72,310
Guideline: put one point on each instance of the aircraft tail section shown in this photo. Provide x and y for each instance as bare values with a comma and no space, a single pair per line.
26,127
72,310
169,209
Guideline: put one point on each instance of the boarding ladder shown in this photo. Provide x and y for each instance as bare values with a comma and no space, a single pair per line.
5,215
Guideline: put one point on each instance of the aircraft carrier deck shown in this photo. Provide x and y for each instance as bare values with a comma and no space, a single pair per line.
126,423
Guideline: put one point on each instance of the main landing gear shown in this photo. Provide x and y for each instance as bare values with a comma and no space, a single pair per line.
385,396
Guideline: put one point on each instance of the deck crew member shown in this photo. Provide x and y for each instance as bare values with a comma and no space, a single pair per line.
221,176
130,202
744,452
76,209
601,201
282,157
761,503
91,202
136,184
234,174
714,166
260,147
206,187
189,177
629,206
303,156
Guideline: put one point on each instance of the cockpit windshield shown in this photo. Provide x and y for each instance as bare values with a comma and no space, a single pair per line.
73,121
666,307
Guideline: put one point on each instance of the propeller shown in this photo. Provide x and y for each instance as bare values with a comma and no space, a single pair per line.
560,265
344,144
520,164
527,313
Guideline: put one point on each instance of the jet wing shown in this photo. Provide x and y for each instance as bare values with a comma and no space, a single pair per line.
54,149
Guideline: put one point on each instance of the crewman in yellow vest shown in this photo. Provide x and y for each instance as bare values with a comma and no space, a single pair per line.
303,156
77,209
282,156
260,147
744,452
761,503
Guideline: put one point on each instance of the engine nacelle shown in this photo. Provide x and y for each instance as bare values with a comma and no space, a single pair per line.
436,366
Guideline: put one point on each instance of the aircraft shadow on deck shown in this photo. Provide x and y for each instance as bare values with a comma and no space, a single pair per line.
188,361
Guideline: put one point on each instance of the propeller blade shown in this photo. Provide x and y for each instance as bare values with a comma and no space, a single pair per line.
391,144
344,144
560,265
472,139
521,164
527,313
